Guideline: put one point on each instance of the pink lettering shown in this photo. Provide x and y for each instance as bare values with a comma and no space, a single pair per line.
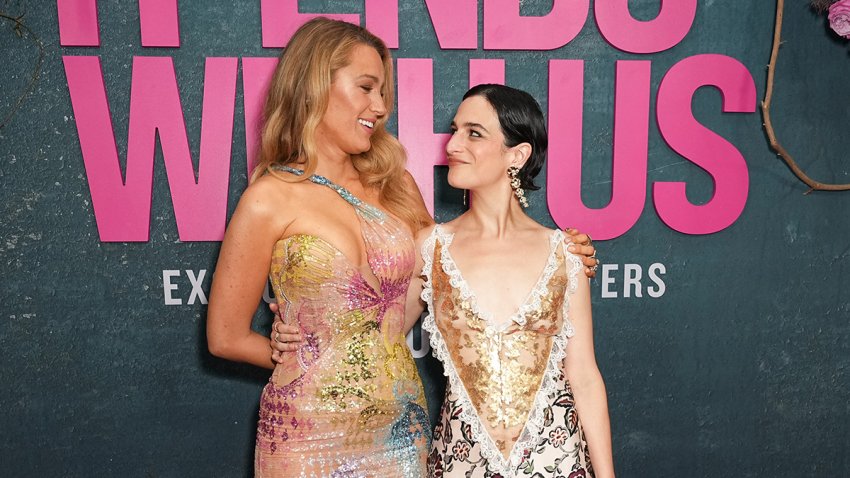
382,20
621,30
505,29
159,25
455,23
78,23
631,126
705,148
256,77
482,71
416,123
280,19
122,207
426,149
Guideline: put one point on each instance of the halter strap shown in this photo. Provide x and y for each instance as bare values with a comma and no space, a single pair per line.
364,208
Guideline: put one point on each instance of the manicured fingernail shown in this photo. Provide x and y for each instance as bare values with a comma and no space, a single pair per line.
571,248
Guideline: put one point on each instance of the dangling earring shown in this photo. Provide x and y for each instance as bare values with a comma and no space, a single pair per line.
515,185
466,197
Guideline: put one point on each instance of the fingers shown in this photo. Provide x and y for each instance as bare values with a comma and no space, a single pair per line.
578,237
281,328
589,262
572,232
275,310
284,339
585,252
278,347
583,247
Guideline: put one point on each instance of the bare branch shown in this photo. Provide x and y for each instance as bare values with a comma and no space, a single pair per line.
21,30
768,124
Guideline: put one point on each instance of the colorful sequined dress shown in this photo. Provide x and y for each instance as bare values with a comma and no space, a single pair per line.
508,410
349,402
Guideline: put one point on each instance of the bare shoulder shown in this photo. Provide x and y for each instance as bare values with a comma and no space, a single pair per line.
272,200
450,227
423,234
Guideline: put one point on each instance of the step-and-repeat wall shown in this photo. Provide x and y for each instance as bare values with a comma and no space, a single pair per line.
722,309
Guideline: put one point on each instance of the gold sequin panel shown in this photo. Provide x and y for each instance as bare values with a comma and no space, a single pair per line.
501,371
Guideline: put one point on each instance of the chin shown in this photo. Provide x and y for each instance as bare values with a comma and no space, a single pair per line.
360,148
457,180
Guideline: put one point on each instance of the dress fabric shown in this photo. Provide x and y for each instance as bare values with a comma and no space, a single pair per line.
508,410
349,403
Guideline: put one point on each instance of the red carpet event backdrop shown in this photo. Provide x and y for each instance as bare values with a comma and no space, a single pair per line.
722,307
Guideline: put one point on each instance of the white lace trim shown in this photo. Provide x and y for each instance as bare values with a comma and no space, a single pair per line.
469,415
548,385
532,300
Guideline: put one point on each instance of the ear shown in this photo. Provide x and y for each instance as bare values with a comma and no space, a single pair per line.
520,153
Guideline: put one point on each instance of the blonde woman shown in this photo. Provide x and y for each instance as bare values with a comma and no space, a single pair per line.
328,216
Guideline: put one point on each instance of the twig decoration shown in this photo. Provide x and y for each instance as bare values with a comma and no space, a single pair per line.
21,29
768,124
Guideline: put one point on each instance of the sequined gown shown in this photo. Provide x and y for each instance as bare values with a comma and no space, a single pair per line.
349,402
508,410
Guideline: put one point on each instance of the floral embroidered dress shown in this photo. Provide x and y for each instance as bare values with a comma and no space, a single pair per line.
349,402
508,410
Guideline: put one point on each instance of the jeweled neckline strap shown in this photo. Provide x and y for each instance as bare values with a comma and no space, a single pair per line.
368,209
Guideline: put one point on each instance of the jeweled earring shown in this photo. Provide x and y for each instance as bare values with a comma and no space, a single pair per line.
516,185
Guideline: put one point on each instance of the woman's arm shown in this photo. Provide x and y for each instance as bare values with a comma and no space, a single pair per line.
587,384
240,276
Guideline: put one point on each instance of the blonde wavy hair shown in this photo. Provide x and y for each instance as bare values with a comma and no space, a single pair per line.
298,98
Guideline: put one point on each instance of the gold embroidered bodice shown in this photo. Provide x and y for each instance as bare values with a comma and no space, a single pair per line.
499,370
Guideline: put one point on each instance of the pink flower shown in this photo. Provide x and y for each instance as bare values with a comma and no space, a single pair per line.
839,18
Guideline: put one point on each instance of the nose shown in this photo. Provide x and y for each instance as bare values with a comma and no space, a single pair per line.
378,106
453,145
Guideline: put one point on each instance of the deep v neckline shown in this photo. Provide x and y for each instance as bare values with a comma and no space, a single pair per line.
532,298
364,212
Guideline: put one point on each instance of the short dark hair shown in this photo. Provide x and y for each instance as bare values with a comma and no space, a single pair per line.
521,121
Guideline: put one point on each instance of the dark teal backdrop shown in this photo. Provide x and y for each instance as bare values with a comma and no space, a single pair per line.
740,368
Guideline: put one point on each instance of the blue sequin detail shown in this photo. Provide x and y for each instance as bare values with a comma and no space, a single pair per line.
363,208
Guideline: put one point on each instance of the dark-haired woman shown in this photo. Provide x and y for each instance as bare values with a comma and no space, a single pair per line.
509,312
328,217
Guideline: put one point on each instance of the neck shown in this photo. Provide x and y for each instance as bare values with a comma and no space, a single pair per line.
495,212
337,168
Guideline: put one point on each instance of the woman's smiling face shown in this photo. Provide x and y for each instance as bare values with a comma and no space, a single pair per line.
476,152
355,104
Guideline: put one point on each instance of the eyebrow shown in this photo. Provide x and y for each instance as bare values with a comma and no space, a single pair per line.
469,124
371,77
